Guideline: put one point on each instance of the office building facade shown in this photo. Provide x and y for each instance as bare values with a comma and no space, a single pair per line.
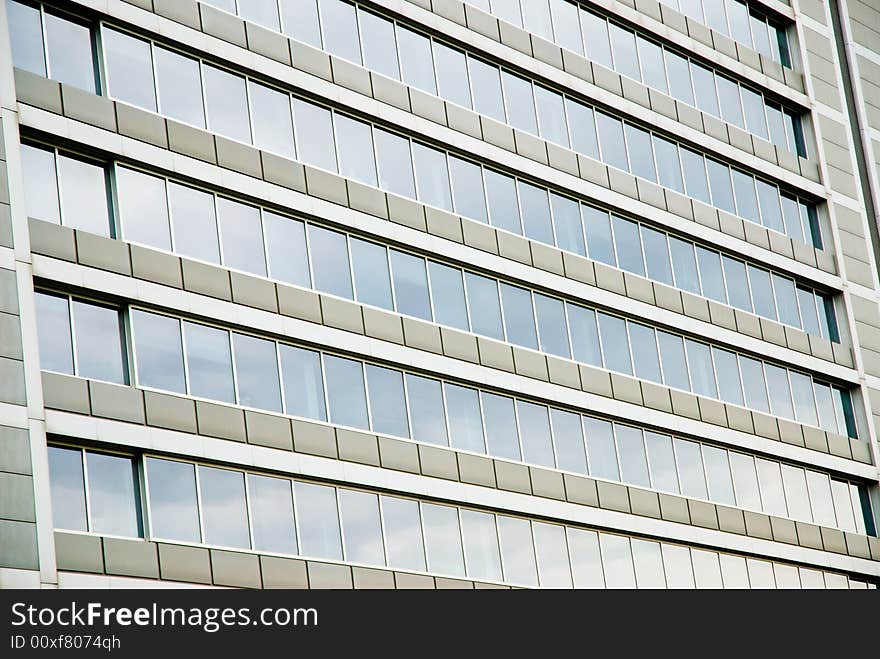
430,294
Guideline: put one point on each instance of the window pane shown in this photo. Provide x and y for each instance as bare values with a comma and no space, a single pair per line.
745,481
329,254
452,74
443,539
432,178
738,17
776,126
303,385
617,559
737,283
718,475
25,34
465,424
731,105
719,181
641,155
780,397
690,469
566,26
760,574
675,371
753,104
519,317
500,421
263,12
273,126
584,335
70,53
129,69
271,505
180,87
355,143
484,305
209,362
174,513
684,265
629,245
644,350
467,189
595,29
314,135
802,393
395,164
536,213
842,505
481,545
821,502
416,60
679,72
551,116
300,20
610,132
40,182
746,201
410,284
668,165
707,570
159,351
753,383
536,18
318,520
380,49
677,563
656,255
224,512
631,449
426,410
387,401
99,348
583,128
143,208
486,83
729,385
194,223
792,219
369,262
256,365
534,427
770,480
568,439
53,330
241,236
795,483
361,528
704,89
552,554
517,550
711,278
340,29
550,313
403,533
615,346
846,422
503,204
771,214
662,462
653,71
649,564
288,256
226,100
68,489
345,391
83,196
447,293
520,102
806,301
694,167
586,564
566,219
701,370
733,570
600,449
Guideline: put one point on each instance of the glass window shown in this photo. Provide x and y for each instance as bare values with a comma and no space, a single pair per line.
566,219
600,449
711,277
395,163
299,19
256,368
416,61
693,8
615,346
704,89
677,564
209,362
503,204
584,335
653,71
303,385
786,576
746,201
193,223
467,189
811,579
465,424
684,265
701,370
129,69
631,449
486,83
806,301
520,102
843,510
379,43
595,30
617,559
690,468
426,410
825,406
447,293
355,143
226,100
443,539
694,167
729,385
792,219
629,245
241,236
263,12
641,155
70,53
536,18
738,18
83,195
403,533
707,570
771,214
143,208
410,284
737,283
224,512
780,397
770,480
656,255
158,350
318,520
517,550
481,545
271,506
821,502
551,116
174,511
345,391
180,87
550,313
552,554
776,126
802,393
53,329
339,23
753,383
649,564
387,401
846,421
745,481
361,528
731,105
733,571
452,74
273,126
113,497
760,574
644,350
99,348
598,230
484,305
753,104
568,440
675,371
668,165
583,128
719,182
795,483
534,427
68,489
718,475
314,135
327,249
610,131
519,316
679,72
372,280
432,179
40,182
500,421
286,244
566,26
662,462
25,33
586,564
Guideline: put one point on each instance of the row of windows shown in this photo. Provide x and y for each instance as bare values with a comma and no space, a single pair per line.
162,213
202,504
208,362
198,93
392,49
